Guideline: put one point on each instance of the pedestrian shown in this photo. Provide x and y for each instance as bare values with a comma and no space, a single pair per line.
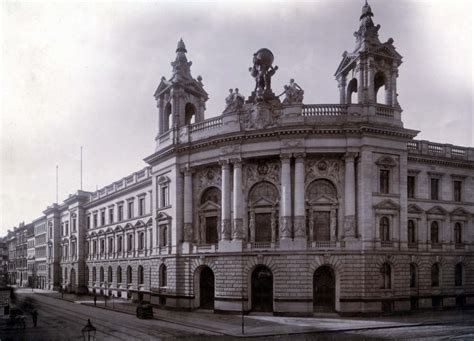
95,300
34,315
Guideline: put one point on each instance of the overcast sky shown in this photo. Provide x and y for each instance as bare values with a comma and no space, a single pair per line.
77,74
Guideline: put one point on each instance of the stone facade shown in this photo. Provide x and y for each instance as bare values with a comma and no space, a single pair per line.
279,206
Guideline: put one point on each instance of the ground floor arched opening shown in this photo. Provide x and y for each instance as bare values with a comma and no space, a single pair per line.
206,288
324,289
262,289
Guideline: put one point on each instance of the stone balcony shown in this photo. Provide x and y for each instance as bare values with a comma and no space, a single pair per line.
426,148
306,115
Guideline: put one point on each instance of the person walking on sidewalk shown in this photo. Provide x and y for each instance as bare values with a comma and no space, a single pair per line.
34,315
95,299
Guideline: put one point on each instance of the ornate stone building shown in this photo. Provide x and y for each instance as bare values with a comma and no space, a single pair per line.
278,205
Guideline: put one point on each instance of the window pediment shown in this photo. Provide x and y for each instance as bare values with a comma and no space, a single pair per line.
209,206
162,216
387,205
414,209
322,200
460,212
437,210
262,201
386,162
162,180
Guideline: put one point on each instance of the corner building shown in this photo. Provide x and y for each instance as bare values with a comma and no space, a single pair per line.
280,206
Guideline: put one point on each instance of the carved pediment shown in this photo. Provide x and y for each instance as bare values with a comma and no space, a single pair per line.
149,221
346,60
387,50
109,230
387,205
412,208
459,211
139,223
262,201
118,228
128,226
101,232
162,87
437,210
163,180
92,235
386,161
323,200
162,216
209,206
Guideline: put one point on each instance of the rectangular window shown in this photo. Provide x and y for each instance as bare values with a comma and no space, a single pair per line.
88,222
102,246
457,185
164,197
95,220
411,186
384,181
74,227
102,218
67,228
111,215
120,212
141,206
434,188
141,241
119,244
111,244
164,235
130,241
130,209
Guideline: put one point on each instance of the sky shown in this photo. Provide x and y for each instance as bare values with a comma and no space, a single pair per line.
78,74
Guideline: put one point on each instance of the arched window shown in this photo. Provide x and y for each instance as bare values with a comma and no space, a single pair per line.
458,233
119,274
141,279
189,113
413,275
411,232
167,118
386,276
435,275
379,82
209,215
94,274
352,89
101,274
129,274
458,275
163,276
384,180
384,229
109,275
434,232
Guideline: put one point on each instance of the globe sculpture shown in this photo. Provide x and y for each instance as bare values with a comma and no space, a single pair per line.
262,71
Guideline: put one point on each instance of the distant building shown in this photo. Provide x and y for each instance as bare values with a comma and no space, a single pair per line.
275,205
41,245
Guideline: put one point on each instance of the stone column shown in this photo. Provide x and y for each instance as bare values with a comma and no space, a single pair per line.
285,198
360,83
394,85
188,206
300,209
388,89
237,232
349,196
252,225
370,81
225,215
342,90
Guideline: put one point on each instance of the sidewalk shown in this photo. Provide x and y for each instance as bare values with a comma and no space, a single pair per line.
268,325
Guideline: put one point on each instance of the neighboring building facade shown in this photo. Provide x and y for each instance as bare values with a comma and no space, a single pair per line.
40,253
279,206
30,252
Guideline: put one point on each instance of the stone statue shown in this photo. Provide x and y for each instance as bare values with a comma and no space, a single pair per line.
294,93
234,101
262,71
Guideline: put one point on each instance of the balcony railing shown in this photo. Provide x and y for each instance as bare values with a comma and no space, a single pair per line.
385,111
210,123
324,110
440,150
386,243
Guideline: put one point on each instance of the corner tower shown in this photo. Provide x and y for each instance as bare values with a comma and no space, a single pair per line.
181,100
371,69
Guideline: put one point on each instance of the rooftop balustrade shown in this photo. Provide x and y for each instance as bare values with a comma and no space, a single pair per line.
440,150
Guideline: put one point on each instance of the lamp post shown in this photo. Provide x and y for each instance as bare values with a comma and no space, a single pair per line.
88,332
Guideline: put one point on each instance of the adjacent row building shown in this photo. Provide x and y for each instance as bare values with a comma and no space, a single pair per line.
274,205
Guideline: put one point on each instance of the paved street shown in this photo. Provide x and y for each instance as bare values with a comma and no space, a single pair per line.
63,319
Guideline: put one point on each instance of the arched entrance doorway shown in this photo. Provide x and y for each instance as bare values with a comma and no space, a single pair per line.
262,289
206,288
324,289
73,280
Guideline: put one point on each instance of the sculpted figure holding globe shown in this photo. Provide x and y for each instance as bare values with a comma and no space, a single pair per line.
262,71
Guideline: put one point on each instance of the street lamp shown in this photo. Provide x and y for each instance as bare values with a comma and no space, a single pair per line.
88,332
